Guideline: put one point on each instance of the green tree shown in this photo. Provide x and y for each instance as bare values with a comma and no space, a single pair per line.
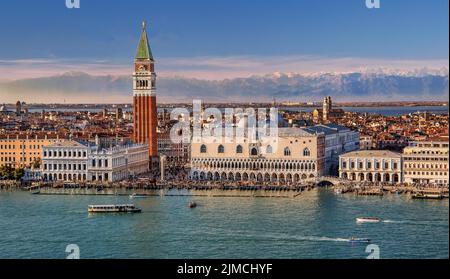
18,174
6,172
37,164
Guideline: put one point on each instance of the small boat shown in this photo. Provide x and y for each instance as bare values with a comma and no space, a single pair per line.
359,240
136,196
35,191
118,208
192,205
422,196
368,220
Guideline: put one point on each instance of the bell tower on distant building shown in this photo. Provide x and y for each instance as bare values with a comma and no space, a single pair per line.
327,107
144,95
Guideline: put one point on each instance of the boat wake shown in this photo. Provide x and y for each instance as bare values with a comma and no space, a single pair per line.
288,237
305,238
310,238
393,221
319,238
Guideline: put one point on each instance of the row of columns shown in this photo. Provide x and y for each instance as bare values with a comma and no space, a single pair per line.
260,177
372,177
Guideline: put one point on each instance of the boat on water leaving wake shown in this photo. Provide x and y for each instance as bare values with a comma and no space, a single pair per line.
136,196
118,208
35,192
359,240
424,196
368,220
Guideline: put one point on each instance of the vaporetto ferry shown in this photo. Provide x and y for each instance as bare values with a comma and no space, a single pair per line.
119,208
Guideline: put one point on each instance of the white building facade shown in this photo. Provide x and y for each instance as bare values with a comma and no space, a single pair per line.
366,143
376,166
118,163
426,162
296,155
65,161
75,161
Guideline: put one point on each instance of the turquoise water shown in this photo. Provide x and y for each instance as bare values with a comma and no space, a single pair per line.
316,224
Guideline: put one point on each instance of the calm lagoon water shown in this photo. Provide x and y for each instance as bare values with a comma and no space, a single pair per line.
316,224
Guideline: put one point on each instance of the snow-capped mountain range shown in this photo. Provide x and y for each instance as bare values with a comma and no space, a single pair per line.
366,84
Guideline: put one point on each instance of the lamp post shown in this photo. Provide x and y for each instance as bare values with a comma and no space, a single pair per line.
163,167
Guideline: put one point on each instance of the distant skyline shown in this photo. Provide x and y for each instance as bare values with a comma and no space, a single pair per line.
216,40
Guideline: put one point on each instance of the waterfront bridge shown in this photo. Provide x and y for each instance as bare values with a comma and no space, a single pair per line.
333,180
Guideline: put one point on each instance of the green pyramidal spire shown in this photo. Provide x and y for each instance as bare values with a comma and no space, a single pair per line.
144,52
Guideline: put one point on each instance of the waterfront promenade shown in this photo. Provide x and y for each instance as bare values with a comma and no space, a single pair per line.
9,185
217,188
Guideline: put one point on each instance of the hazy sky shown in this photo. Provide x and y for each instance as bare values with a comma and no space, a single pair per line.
217,39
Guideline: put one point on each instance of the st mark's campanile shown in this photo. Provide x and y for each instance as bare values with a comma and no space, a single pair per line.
144,96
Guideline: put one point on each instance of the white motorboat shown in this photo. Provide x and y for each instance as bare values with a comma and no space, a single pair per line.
368,220
136,196
359,240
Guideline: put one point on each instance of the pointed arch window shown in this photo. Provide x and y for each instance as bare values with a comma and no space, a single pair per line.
239,149
203,148
287,151
254,152
306,152
269,149
221,149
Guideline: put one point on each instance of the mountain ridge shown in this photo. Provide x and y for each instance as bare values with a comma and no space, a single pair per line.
378,84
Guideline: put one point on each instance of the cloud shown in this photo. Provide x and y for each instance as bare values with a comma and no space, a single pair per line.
219,68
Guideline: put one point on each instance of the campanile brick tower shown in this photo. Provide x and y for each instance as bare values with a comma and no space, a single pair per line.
144,96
